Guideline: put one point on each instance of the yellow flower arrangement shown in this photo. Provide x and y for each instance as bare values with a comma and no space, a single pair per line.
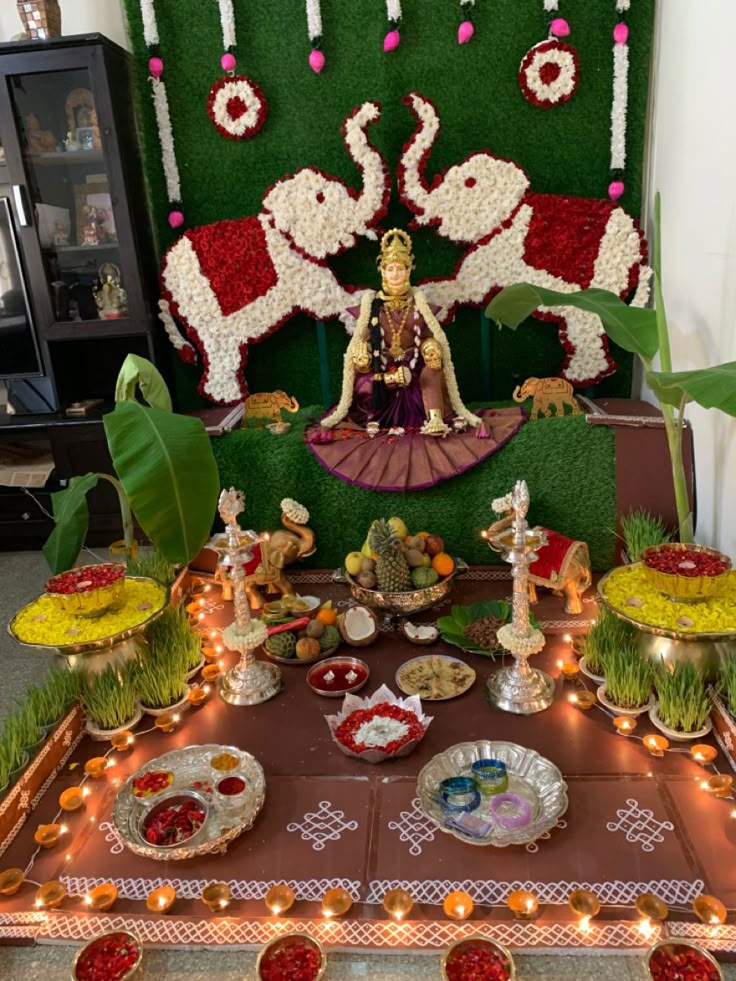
43,622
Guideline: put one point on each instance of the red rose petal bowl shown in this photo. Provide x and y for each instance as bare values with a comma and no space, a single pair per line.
687,588
467,946
273,948
88,590
678,946
95,949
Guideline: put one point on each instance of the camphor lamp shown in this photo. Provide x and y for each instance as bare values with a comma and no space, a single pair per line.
651,907
522,904
458,905
398,903
279,899
703,753
709,910
336,902
657,745
161,900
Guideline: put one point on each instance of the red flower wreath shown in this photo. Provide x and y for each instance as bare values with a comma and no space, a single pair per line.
237,107
345,732
549,73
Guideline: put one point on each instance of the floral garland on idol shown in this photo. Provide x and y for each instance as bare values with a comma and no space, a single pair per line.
550,71
235,104
513,234
620,101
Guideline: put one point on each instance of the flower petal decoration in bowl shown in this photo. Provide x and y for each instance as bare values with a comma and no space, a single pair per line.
378,728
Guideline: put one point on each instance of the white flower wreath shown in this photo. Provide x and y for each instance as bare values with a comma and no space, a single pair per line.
294,511
561,61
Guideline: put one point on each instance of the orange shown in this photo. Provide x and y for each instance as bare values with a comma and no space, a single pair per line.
443,564
326,615
423,534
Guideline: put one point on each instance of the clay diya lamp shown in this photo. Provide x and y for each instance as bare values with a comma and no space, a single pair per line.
51,894
121,948
47,835
569,669
709,910
522,904
216,896
657,745
336,902
196,606
624,725
10,881
279,899
161,900
458,905
720,785
210,654
651,907
102,897
210,672
398,903
484,957
584,904
71,799
583,699
95,768
292,955
165,722
196,696
122,741
703,753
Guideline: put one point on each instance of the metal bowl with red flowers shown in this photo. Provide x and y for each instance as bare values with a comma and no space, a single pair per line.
113,956
293,955
379,728
88,590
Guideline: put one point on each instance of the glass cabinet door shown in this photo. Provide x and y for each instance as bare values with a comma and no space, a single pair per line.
70,195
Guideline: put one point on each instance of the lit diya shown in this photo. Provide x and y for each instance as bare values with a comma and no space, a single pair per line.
161,900
216,896
584,903
720,785
651,907
583,699
657,745
570,669
165,722
624,725
522,904
196,696
10,881
703,753
95,768
398,903
336,902
102,897
709,910
458,905
71,799
279,899
210,672
47,835
122,740
51,894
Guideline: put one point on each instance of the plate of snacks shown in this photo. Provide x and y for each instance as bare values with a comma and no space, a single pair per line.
379,728
435,677
184,822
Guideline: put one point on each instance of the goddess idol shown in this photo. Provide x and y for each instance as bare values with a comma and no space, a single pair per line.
398,373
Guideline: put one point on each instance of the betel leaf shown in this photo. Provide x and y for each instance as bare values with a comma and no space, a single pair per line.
166,466
452,628
137,372
632,328
71,515
713,388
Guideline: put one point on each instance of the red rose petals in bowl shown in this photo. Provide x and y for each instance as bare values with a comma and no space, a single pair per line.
478,959
380,727
292,957
151,784
88,590
109,957
686,572
680,960
176,819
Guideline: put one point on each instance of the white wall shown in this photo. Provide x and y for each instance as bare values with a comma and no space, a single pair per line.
77,17
694,167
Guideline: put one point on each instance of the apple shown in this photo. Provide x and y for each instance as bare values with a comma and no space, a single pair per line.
354,563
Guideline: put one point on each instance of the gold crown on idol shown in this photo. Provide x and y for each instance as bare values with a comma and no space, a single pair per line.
396,247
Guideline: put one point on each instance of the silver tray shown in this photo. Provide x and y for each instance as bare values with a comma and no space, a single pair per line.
189,765
531,776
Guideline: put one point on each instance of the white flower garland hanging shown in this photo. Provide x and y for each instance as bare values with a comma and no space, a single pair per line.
163,117
393,38
550,72
466,29
620,101
235,104
314,30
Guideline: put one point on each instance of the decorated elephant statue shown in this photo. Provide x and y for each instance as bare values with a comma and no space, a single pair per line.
232,282
547,392
268,405
280,549
562,565
514,235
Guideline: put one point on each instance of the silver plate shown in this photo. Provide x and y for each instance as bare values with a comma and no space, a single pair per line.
432,657
531,776
190,765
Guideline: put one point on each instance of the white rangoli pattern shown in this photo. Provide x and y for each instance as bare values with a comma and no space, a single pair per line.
415,827
640,826
112,835
322,825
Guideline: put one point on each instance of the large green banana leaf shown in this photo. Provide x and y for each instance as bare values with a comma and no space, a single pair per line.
632,328
71,515
166,466
713,388
137,371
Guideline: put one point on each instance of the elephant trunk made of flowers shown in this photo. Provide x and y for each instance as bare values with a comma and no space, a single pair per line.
282,548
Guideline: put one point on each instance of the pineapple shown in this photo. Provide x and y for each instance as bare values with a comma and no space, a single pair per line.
392,569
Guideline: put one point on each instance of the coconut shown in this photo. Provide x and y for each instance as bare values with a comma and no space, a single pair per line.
358,626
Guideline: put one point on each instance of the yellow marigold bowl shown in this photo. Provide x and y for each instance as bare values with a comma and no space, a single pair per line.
87,599
687,588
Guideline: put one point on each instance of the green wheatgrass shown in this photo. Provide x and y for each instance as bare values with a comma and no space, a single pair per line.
714,615
43,622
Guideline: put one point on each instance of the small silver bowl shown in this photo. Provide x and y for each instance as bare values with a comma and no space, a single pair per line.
354,663
164,801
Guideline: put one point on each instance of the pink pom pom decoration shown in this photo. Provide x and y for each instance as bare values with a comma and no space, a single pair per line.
616,190
155,67
176,219
621,33
559,27
228,62
316,61
391,41
465,32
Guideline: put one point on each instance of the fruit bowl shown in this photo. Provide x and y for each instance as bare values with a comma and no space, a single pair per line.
405,603
88,590
686,572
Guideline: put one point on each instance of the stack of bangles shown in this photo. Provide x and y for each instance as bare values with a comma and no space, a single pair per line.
510,811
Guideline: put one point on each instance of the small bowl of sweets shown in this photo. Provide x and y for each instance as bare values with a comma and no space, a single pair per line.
88,590
113,956
478,957
686,572
293,955
679,958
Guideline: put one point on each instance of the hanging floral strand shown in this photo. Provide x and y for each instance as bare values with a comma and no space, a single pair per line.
466,29
314,29
620,101
393,38
549,72
235,104
163,117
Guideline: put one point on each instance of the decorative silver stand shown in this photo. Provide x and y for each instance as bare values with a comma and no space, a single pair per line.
519,688
250,681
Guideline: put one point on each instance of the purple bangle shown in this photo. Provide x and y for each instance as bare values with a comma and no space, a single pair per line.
510,810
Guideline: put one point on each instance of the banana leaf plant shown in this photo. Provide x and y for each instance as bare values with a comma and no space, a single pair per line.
645,334
165,474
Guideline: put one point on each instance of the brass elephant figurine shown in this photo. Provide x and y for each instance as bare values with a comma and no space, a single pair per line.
547,392
281,548
563,562
268,405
